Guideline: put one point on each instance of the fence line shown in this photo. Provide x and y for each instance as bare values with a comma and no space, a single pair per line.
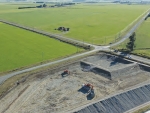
122,32
58,37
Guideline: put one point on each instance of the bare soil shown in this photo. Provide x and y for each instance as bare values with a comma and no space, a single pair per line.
57,94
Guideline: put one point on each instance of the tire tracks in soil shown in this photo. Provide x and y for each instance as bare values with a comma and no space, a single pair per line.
30,96
21,92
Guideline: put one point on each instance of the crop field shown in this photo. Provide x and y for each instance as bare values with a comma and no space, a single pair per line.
21,48
99,23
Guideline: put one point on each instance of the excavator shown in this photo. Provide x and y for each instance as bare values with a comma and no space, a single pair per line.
90,90
65,73
87,87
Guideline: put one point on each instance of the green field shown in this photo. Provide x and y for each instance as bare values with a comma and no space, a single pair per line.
99,23
20,48
142,40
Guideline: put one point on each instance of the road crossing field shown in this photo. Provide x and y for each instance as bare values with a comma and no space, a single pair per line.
20,48
93,23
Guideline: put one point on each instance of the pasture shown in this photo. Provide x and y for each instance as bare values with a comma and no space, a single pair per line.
98,23
21,48
142,40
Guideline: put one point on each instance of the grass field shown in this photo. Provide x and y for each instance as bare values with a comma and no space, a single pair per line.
90,23
142,39
97,23
21,48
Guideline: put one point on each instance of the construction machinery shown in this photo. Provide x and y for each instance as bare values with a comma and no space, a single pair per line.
65,73
87,86
90,91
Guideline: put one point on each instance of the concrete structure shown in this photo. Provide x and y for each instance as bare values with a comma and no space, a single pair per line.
115,67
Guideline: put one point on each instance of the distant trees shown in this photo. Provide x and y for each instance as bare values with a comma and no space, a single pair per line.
131,44
44,5
62,4
25,7
40,6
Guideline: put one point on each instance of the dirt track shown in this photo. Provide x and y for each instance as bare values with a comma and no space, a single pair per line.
57,94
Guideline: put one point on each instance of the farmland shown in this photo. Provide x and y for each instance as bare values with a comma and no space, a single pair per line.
94,82
99,23
20,48
142,40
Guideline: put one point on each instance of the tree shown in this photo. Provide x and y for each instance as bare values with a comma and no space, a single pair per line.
44,5
131,44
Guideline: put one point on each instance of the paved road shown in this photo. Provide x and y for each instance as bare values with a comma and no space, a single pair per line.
96,48
141,59
129,33
5,77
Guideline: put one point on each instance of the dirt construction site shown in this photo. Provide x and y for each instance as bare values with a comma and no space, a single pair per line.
61,91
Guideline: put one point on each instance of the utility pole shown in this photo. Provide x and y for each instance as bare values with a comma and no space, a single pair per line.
119,35
93,41
77,47
83,42
42,56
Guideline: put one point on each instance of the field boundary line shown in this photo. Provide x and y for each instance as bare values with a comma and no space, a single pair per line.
96,49
51,35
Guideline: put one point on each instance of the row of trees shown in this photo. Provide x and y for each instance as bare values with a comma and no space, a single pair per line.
40,6
62,4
